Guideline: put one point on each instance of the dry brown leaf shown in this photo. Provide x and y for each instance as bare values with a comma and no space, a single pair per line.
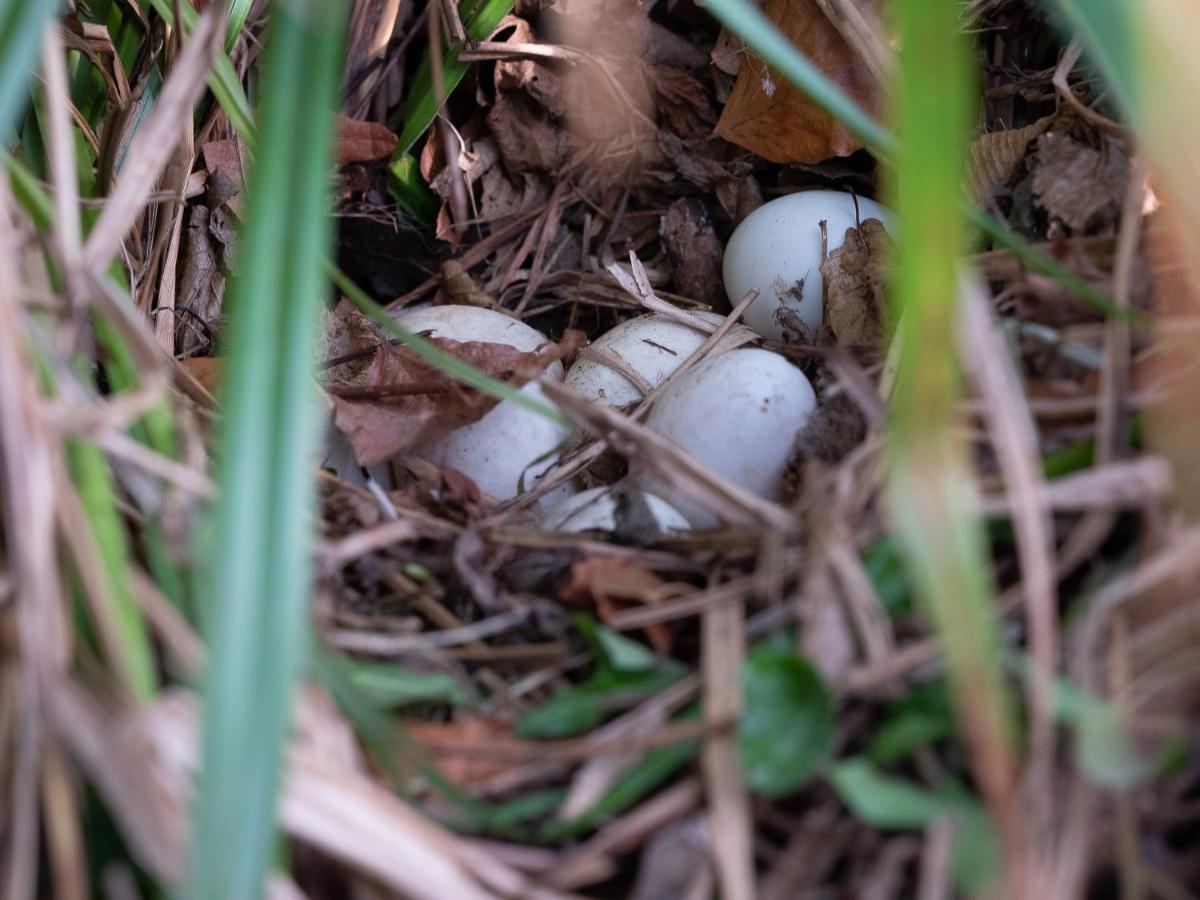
739,197
359,141
460,748
402,402
768,116
528,140
226,175
613,583
1081,186
350,336
995,157
462,289
206,370
201,288
683,102
854,275
694,251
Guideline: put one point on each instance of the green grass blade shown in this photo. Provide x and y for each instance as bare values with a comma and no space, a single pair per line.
480,20
98,496
261,579
21,23
930,489
223,82
239,10
1107,28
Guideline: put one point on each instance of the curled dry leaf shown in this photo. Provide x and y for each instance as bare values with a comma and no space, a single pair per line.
768,116
462,289
1082,186
402,402
614,583
854,275
995,157
359,141
348,339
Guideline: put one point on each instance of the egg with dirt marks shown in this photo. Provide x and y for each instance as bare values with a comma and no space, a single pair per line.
777,249
615,509
648,348
739,415
507,450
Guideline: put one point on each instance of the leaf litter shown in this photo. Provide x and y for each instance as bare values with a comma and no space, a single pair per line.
534,667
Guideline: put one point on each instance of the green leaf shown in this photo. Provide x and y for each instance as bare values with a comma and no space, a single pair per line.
917,720
652,770
886,802
21,24
410,189
617,652
788,728
480,19
885,568
625,673
224,81
1104,748
576,709
261,574
388,685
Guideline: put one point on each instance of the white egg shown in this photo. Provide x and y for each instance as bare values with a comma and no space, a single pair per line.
596,510
506,450
738,414
777,249
653,346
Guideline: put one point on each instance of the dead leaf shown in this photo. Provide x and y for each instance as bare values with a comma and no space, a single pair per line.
728,53
684,104
739,197
348,335
614,583
768,116
402,402
359,141
461,289
201,286
854,275
502,196
206,370
1079,185
995,157
460,748
528,141
226,176
694,251
696,164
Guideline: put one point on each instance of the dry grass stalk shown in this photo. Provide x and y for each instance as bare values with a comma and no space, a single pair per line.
1015,440
730,831
31,476
156,139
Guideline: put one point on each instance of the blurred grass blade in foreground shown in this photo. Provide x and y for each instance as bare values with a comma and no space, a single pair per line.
930,485
1147,52
21,23
260,583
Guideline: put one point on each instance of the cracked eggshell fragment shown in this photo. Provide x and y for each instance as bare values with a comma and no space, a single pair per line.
598,510
506,450
738,414
777,249
652,346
